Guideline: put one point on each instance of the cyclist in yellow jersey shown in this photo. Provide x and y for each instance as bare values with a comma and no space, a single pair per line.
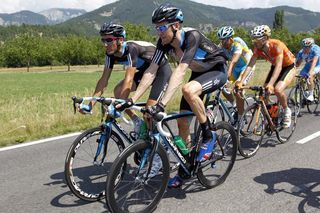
239,56
282,71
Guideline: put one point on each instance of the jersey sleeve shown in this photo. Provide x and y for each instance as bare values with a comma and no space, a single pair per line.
237,48
109,62
299,55
159,53
192,43
132,56
316,51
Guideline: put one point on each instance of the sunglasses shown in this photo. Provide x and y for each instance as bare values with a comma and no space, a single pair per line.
163,28
108,41
224,40
257,39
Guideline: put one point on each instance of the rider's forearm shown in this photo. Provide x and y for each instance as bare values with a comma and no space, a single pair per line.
245,73
276,73
174,82
313,65
231,67
233,62
101,84
127,83
145,82
126,89
252,62
99,89
298,63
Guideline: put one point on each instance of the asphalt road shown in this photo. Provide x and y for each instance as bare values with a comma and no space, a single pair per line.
279,178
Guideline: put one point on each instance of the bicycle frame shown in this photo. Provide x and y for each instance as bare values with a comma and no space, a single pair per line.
108,124
168,142
107,128
260,100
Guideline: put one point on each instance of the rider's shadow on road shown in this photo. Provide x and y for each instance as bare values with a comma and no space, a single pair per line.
191,185
304,183
67,199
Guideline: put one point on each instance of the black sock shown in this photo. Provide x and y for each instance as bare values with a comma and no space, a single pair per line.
206,132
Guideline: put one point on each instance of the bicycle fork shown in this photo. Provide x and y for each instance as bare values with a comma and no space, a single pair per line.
103,143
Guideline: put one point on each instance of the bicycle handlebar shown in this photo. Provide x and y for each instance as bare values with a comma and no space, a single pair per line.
158,117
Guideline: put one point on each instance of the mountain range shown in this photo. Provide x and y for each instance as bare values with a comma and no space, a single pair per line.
46,17
204,17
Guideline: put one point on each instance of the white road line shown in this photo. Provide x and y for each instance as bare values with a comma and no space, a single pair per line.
39,141
309,138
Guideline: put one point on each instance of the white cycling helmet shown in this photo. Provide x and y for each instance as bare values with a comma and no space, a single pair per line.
307,42
262,30
225,32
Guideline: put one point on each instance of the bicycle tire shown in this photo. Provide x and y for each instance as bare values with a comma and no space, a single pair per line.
284,134
113,184
312,106
224,154
84,179
295,97
219,116
249,140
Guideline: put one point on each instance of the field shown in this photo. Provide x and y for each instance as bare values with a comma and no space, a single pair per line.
38,104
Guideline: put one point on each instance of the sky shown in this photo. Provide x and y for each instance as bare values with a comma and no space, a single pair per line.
11,6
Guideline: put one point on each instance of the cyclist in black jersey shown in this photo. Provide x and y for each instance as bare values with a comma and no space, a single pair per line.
136,56
191,49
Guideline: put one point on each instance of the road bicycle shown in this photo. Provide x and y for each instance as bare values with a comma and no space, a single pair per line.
129,186
91,154
260,118
299,93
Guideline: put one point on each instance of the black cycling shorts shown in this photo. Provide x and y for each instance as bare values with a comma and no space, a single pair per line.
283,74
160,83
210,82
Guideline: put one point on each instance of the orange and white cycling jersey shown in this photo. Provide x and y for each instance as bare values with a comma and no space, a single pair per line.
276,47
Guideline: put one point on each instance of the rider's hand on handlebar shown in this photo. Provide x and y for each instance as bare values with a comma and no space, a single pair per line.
238,85
155,109
270,89
85,109
124,105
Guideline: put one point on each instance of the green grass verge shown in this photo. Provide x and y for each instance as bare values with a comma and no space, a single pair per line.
38,104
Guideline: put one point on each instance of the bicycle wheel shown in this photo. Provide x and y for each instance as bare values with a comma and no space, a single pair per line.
134,192
284,134
312,106
214,112
86,178
214,172
250,131
295,98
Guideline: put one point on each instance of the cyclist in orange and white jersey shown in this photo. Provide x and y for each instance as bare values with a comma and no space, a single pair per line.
282,70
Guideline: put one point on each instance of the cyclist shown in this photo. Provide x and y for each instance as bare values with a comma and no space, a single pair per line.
310,53
282,71
136,55
239,56
192,50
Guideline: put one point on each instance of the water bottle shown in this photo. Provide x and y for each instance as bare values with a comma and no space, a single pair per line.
273,110
178,141
143,131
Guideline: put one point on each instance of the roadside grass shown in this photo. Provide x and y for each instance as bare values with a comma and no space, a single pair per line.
38,104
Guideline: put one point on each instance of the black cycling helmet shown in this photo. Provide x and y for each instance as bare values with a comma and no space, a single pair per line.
167,12
116,30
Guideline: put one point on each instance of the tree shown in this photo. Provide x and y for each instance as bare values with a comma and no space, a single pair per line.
278,22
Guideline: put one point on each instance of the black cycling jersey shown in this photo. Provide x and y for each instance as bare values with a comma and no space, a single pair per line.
138,54
134,54
198,51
